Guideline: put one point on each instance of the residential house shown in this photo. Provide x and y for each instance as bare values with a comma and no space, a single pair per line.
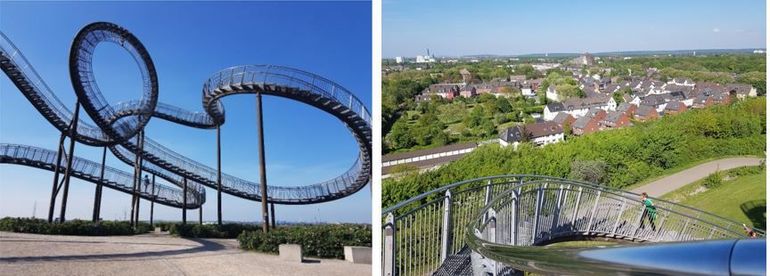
551,94
551,110
646,113
702,101
675,107
540,134
564,119
578,107
627,108
741,91
681,82
616,119
586,125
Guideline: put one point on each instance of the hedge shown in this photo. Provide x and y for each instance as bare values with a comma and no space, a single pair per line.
72,227
323,241
224,231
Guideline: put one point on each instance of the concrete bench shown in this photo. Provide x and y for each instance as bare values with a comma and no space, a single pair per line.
358,254
290,252
157,230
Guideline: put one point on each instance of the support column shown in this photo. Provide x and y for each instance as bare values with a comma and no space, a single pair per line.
70,156
272,213
262,174
200,215
184,201
219,177
446,227
139,186
54,190
152,202
98,192
137,177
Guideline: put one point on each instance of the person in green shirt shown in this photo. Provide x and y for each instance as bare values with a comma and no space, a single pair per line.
650,212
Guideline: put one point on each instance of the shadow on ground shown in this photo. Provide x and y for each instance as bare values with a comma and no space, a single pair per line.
755,210
205,246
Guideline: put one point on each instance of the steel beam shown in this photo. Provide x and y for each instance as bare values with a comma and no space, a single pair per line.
98,192
152,202
184,201
219,176
262,171
54,189
70,157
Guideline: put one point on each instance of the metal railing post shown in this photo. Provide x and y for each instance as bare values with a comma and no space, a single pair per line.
577,205
617,220
538,207
389,248
446,226
514,216
593,210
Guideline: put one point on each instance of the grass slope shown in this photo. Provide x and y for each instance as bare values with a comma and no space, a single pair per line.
726,200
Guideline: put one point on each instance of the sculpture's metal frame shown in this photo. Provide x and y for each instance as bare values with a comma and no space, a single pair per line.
117,124
497,225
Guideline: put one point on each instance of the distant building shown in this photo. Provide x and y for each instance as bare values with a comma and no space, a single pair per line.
540,134
675,108
399,60
585,59
467,76
428,158
552,94
617,119
646,113
578,107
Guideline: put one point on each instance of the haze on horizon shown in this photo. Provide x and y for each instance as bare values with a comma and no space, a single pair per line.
459,28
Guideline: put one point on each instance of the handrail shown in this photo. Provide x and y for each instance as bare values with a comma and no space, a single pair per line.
117,123
421,233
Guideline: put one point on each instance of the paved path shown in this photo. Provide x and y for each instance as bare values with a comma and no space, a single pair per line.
151,254
675,181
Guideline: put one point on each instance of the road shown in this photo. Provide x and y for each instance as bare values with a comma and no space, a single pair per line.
150,254
675,181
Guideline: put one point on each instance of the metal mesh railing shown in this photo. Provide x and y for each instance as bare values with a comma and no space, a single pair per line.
525,210
121,121
89,171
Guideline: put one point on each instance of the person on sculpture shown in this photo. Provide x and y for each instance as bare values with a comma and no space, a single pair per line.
649,213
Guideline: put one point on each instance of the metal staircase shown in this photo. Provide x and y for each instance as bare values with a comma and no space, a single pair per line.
499,225
118,123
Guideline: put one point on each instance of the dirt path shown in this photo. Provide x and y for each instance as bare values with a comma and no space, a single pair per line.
675,181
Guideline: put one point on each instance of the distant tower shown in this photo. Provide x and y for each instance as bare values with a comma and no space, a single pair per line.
428,51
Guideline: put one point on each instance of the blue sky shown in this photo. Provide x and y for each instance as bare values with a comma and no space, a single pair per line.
188,42
451,28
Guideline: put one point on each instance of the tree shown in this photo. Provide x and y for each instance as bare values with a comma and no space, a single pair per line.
400,136
618,97
592,171
503,105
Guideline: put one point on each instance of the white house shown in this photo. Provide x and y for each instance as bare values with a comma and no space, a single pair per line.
540,134
527,92
552,94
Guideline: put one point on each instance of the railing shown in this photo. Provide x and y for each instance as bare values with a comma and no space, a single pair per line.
525,210
89,171
120,121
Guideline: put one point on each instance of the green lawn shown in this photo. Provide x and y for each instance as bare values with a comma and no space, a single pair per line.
728,199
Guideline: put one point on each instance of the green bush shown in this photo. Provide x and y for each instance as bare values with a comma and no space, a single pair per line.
751,170
714,180
72,227
323,241
225,231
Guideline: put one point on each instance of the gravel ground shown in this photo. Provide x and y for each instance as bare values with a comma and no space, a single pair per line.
150,254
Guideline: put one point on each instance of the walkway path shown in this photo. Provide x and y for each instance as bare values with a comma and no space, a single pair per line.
151,254
675,181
